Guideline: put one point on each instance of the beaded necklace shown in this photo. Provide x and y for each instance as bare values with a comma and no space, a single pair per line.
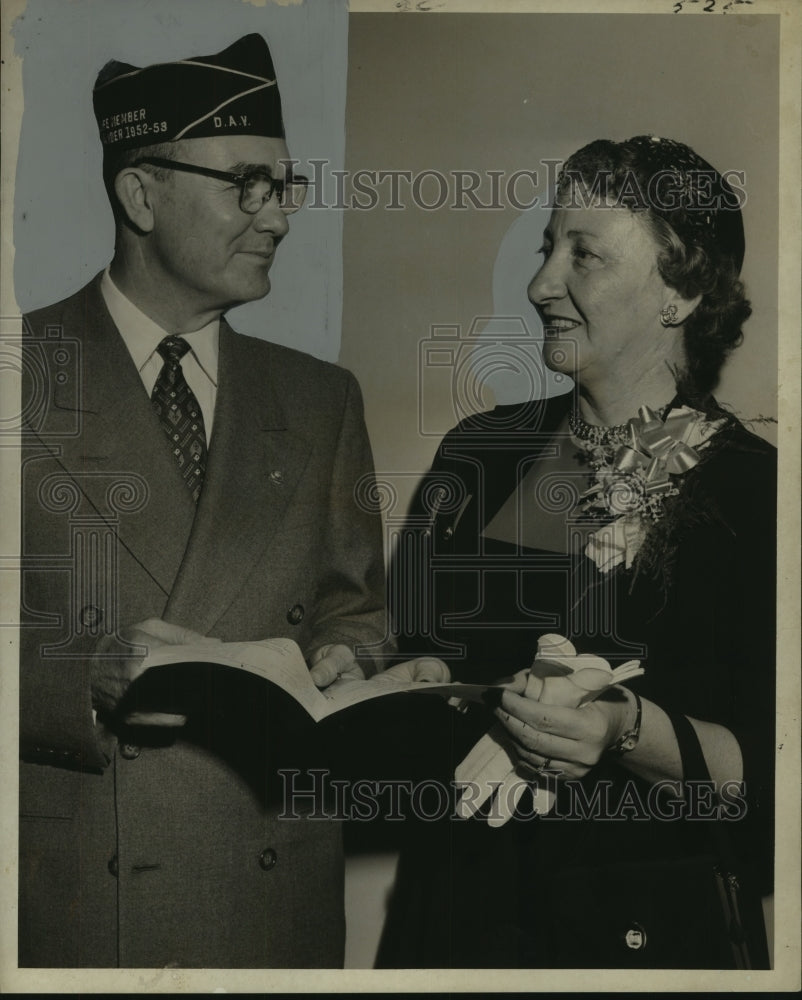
596,435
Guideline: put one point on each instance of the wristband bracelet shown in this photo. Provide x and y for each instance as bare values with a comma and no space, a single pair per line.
629,740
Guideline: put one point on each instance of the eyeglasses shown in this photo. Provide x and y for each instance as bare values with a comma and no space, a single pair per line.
255,186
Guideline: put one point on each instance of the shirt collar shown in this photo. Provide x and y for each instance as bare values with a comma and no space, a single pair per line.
142,336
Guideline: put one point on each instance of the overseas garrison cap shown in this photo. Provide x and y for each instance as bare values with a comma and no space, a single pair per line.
231,93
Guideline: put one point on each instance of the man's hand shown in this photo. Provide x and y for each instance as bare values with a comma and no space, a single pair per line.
424,668
332,663
118,665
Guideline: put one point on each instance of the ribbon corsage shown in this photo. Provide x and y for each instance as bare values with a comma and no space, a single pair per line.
633,480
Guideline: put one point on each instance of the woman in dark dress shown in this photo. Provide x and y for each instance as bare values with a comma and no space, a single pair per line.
637,518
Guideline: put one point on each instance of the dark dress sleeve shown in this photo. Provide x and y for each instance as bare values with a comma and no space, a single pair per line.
711,648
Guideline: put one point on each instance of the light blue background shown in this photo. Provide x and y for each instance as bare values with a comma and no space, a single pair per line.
63,229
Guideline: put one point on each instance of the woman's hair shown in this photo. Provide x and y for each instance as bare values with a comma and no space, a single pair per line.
695,218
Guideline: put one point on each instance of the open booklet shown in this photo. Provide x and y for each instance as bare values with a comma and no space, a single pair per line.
281,662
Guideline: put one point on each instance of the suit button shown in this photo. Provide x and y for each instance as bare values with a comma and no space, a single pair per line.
114,866
296,614
130,751
635,937
267,859
277,477
90,616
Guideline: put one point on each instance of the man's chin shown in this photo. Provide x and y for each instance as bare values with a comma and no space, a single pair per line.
250,291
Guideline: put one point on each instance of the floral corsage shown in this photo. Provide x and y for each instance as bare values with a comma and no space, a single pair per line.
637,467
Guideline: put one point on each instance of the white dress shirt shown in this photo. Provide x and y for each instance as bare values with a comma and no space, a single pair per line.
142,336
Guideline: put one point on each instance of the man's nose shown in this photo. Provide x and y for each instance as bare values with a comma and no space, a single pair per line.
547,284
271,219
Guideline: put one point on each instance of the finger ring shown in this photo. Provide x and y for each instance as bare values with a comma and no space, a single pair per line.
535,768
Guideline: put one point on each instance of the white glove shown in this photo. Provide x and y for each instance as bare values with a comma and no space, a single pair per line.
492,770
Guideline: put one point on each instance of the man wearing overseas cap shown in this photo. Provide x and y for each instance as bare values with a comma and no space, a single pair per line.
183,483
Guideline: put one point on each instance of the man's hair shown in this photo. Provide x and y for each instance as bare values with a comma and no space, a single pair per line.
116,160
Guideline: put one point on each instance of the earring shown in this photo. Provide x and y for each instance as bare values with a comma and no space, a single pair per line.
668,315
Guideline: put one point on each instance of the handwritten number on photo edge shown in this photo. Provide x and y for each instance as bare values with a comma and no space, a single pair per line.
710,5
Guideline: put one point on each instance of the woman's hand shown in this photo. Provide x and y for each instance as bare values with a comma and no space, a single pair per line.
563,738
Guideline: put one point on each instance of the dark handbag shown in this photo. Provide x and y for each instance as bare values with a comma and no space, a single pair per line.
682,912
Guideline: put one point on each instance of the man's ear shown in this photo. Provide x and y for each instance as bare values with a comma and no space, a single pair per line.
133,187
679,308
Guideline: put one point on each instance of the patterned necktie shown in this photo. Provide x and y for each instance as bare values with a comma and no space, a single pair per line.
180,415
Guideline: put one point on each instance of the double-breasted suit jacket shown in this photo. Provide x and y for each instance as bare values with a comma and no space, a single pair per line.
157,847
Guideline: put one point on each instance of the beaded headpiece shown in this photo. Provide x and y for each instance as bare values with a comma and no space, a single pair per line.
667,178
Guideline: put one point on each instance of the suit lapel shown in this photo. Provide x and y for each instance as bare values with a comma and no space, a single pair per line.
254,467
120,460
